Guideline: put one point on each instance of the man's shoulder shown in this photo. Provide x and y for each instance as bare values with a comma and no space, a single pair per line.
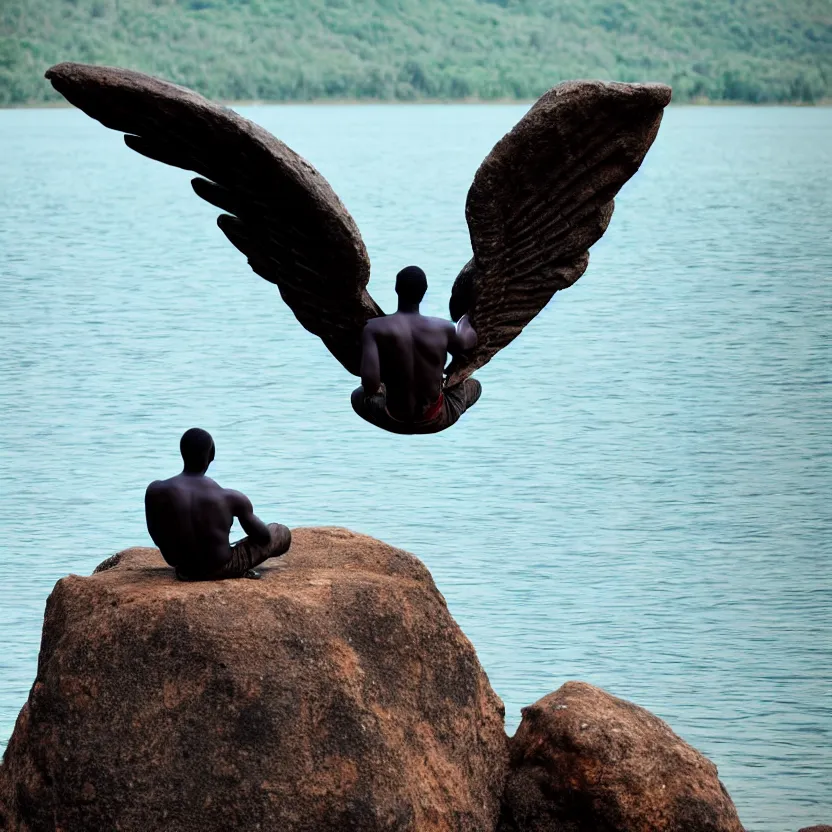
440,323
378,324
235,498
409,320
436,327
182,483
158,486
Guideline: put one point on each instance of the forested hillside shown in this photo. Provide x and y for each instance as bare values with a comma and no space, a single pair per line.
746,50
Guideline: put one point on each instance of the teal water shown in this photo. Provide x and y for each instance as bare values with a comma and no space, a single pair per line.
641,499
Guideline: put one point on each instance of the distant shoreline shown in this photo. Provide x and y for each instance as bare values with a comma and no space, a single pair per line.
363,102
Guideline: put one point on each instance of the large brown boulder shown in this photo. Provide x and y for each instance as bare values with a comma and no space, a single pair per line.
336,693
584,761
5,820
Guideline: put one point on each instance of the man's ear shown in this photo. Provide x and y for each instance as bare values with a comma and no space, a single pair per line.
213,452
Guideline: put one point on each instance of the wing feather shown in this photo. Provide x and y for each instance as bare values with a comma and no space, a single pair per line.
279,211
542,198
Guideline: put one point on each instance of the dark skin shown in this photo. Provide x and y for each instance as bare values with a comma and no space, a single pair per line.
407,351
189,517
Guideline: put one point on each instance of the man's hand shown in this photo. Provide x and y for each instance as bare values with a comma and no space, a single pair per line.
368,396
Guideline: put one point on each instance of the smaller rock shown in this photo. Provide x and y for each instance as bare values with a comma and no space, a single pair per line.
585,760
821,828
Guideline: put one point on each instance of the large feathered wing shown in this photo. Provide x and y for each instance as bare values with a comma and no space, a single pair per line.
282,214
541,198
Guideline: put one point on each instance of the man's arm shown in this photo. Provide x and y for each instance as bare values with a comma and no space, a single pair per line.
370,363
252,525
463,337
150,515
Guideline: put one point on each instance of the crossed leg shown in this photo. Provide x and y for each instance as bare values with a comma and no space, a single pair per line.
245,555
455,401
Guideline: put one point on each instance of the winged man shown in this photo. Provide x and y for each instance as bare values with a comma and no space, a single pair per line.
539,200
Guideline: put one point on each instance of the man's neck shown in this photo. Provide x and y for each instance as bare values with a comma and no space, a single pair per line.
408,308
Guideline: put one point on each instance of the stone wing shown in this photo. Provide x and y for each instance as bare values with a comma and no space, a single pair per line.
281,213
541,198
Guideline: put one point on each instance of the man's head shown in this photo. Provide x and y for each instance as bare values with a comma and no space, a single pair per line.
197,449
411,285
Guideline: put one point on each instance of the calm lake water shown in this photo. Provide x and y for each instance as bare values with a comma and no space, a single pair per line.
641,499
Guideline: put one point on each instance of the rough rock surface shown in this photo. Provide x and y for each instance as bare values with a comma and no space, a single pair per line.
822,828
584,761
336,693
5,821
541,198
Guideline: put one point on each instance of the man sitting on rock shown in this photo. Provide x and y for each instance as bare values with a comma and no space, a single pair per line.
403,362
189,517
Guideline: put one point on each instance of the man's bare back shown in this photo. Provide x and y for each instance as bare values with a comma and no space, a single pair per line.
412,352
189,517
406,353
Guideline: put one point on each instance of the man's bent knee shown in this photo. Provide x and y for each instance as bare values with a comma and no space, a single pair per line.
473,391
281,539
357,400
